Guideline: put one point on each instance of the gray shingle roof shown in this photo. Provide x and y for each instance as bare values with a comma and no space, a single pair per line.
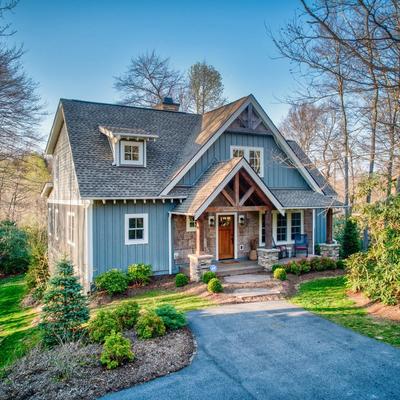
206,186
93,158
297,198
314,172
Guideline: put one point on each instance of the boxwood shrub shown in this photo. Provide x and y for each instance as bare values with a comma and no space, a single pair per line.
280,274
149,325
139,274
127,314
116,351
207,276
215,286
113,281
181,280
102,325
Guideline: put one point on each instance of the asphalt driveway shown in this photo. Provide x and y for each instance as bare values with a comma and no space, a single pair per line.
275,350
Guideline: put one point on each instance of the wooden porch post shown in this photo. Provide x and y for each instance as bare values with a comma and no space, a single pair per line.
199,236
329,226
268,229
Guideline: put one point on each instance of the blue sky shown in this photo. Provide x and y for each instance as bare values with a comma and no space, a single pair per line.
75,48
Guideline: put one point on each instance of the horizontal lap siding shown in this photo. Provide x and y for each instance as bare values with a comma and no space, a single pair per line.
109,249
277,174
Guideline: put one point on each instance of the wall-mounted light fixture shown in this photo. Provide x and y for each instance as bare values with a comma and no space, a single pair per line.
211,221
242,220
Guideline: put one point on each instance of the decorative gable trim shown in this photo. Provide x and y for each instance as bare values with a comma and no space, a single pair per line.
278,136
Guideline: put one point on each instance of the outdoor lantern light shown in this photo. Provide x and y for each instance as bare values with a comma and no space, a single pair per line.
211,221
242,219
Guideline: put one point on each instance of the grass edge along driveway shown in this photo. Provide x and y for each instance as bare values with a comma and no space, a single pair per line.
327,298
17,332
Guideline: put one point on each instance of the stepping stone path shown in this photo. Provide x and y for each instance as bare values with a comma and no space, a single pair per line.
248,278
250,292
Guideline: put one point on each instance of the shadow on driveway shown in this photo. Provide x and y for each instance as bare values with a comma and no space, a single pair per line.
275,350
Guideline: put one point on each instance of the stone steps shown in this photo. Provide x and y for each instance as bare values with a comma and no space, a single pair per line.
238,270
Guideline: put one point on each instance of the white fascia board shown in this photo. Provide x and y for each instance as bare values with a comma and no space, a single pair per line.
207,145
55,130
242,164
284,145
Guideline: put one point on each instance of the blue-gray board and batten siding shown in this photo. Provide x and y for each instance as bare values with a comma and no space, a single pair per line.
109,248
320,225
277,172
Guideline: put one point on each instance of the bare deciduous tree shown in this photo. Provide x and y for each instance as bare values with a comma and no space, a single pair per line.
148,80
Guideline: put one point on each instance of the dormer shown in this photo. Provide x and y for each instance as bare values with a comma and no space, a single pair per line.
128,145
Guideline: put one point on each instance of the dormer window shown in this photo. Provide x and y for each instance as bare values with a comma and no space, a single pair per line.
132,153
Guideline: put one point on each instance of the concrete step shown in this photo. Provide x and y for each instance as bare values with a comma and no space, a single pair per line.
237,270
254,292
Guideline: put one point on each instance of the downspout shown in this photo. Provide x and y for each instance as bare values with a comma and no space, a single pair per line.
170,242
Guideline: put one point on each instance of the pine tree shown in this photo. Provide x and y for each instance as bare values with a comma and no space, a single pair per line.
350,242
65,307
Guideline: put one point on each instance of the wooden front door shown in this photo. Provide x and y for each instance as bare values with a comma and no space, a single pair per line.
226,236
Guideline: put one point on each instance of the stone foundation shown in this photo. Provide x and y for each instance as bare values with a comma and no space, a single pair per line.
330,250
199,264
267,258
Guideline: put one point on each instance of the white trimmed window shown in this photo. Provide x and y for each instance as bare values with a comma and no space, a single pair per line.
254,156
190,224
136,229
132,153
284,227
71,228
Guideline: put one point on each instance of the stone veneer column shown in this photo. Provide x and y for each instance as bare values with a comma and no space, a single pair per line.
199,264
267,257
330,250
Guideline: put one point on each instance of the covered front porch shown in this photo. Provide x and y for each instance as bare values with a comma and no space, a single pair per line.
231,216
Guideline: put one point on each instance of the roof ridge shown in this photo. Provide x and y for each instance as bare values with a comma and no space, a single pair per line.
227,104
126,106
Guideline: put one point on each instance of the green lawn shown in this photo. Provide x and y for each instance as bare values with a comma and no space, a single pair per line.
17,334
327,298
181,300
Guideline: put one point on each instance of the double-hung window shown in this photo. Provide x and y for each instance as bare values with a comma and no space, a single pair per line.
254,156
190,224
281,227
132,153
296,223
71,228
136,229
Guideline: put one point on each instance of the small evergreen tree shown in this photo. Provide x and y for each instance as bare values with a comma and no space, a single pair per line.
350,241
65,307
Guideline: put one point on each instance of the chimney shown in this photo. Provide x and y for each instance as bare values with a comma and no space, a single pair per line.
167,105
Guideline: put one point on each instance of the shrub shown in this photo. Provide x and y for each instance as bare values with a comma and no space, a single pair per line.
214,286
14,250
295,268
139,274
207,276
304,266
113,282
65,307
116,351
280,274
38,270
149,325
315,264
127,314
340,264
317,249
327,263
172,318
102,325
350,240
276,266
181,280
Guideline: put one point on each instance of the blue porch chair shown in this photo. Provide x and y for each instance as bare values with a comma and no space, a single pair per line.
300,243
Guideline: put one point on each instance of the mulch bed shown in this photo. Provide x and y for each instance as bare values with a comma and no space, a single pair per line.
73,371
375,308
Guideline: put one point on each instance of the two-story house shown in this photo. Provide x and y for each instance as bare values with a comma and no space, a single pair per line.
156,185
